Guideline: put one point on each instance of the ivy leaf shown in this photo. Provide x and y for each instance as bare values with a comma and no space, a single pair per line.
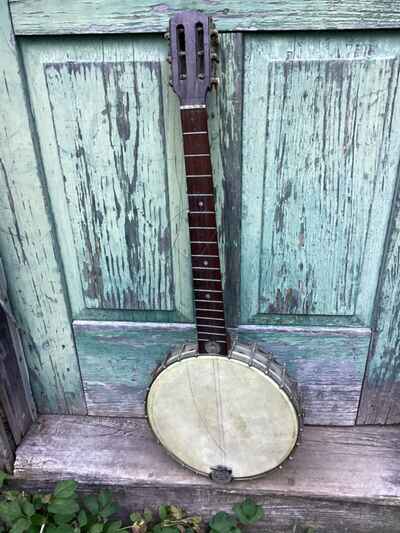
135,517
108,510
82,518
10,511
38,519
114,526
163,512
3,477
248,512
176,512
91,503
28,508
104,498
65,528
65,489
62,519
63,506
223,523
96,528
21,525
147,515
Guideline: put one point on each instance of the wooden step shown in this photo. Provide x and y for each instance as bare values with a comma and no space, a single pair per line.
341,479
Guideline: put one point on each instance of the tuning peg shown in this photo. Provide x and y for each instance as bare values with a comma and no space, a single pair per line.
214,57
167,36
214,82
169,59
170,83
214,36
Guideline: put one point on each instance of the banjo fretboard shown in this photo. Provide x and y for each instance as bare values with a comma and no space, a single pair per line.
206,268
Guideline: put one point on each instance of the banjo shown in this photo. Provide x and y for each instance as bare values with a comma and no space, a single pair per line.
224,410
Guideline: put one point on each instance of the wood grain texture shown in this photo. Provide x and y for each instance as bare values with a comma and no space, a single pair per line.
46,17
7,444
225,130
118,360
28,249
317,192
108,136
109,128
346,465
327,363
380,399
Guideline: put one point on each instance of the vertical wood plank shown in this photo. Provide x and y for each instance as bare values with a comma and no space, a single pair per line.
28,246
380,396
225,129
7,445
15,392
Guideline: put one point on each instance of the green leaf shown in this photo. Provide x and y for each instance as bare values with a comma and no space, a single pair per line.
28,508
65,489
96,528
3,477
82,518
63,506
222,523
38,519
147,515
248,512
104,498
91,504
65,528
61,519
21,525
108,510
135,517
163,512
114,526
10,511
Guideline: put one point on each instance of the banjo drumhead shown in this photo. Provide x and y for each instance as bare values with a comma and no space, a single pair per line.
209,411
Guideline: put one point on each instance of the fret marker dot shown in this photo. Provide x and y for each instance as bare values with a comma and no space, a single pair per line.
200,204
208,296
205,263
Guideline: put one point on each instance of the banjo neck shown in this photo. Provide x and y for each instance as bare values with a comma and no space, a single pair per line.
193,42
206,266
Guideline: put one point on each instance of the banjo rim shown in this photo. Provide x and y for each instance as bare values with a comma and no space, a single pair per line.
173,358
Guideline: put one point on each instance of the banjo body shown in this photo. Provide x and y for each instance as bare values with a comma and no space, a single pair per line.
227,411
227,417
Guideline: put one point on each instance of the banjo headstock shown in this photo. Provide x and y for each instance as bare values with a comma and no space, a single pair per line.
193,44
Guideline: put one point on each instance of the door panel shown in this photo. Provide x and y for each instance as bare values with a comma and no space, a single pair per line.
320,160
105,123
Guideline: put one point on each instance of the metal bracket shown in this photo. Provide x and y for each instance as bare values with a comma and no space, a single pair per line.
221,474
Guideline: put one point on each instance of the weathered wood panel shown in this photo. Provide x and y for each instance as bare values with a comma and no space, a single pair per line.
7,445
328,364
317,192
99,16
118,360
29,249
225,127
380,400
357,465
107,124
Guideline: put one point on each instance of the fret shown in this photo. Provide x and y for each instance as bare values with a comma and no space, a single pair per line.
196,133
201,310
208,291
216,269
199,175
219,341
209,301
212,333
200,194
209,323
196,155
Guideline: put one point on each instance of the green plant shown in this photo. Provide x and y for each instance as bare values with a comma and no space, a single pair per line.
63,511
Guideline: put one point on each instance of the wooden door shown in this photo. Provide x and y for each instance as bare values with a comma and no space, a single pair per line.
305,154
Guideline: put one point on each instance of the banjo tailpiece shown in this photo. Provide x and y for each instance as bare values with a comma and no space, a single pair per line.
226,411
